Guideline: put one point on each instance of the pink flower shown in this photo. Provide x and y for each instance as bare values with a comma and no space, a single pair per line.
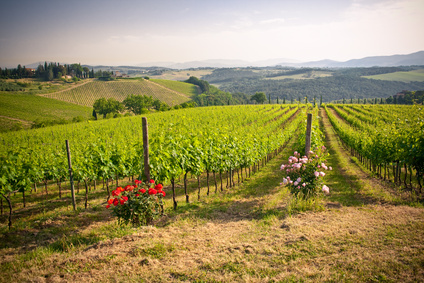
322,174
299,180
282,167
330,168
291,182
285,181
304,184
316,173
326,189
295,183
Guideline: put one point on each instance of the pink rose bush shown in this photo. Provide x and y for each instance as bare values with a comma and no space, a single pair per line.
137,205
304,174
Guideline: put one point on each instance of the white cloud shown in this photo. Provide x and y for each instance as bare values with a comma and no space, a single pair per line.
274,21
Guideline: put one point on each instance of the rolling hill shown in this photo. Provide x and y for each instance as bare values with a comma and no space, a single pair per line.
170,93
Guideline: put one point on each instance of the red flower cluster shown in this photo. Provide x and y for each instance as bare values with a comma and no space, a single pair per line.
157,190
116,201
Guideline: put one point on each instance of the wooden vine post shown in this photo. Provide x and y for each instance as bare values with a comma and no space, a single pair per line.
71,177
308,134
146,149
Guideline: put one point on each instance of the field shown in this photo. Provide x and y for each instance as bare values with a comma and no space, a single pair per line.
86,94
20,110
367,229
407,77
185,88
313,74
181,75
65,100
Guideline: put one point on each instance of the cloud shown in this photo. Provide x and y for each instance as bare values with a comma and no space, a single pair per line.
273,21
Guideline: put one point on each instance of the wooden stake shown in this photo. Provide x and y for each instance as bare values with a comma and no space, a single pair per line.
146,149
308,134
71,177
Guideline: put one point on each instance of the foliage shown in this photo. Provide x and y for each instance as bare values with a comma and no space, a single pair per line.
344,83
104,107
204,85
304,177
407,97
259,97
137,204
138,104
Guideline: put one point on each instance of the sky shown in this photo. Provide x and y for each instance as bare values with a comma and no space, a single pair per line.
130,32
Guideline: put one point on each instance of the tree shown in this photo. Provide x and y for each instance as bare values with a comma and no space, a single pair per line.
138,104
104,107
259,97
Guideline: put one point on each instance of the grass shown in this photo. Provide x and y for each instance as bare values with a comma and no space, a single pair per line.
407,77
185,88
29,108
307,76
246,233
181,75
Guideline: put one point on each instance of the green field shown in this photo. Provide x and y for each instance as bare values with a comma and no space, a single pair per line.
304,76
86,94
30,108
407,77
181,87
181,75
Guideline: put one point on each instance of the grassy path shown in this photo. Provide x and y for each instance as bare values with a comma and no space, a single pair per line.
244,234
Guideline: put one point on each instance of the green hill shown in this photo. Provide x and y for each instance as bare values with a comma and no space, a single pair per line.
411,76
87,93
182,87
20,110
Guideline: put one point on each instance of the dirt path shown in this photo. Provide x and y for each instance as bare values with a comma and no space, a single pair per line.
16,119
72,87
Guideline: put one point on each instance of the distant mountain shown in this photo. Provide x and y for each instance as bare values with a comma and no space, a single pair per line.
416,58
219,63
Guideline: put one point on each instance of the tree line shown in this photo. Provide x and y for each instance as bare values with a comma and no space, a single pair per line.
51,71
136,104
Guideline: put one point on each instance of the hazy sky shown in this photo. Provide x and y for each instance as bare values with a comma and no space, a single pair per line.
129,32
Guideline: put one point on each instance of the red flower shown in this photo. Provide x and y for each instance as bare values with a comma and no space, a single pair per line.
142,191
120,189
138,182
158,187
110,201
125,198
152,181
107,206
122,201
115,202
137,195
162,192
152,191
129,188
116,192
